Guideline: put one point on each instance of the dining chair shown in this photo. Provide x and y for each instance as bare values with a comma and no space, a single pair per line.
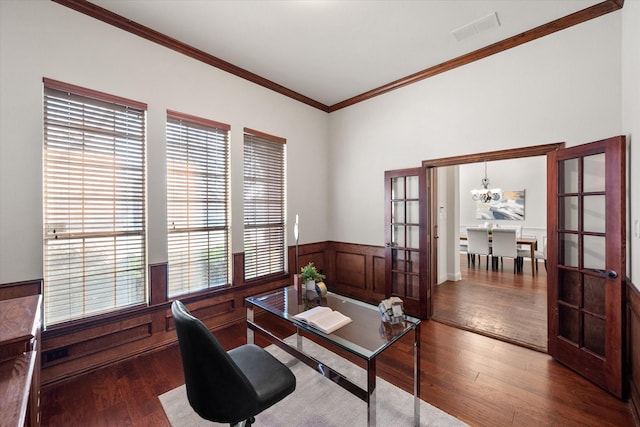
464,247
542,255
478,244
504,244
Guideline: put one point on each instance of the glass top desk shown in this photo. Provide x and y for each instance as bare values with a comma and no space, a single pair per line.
366,337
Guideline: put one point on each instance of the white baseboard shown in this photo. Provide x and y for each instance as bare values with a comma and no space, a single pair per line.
454,277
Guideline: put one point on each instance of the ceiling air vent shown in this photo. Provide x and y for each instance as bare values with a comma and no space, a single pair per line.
483,24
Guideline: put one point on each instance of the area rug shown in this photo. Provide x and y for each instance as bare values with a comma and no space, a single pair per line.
319,402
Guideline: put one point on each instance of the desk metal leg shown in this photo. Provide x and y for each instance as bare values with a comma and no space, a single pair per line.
250,336
416,376
371,392
298,339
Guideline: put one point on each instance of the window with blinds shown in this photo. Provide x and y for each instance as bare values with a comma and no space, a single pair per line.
94,202
264,204
198,203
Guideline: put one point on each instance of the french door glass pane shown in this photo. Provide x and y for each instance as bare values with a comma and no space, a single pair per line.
413,286
593,173
397,236
413,240
569,323
594,295
569,213
568,182
412,187
594,214
413,212
397,188
398,283
397,213
397,259
569,287
594,334
594,247
414,261
569,249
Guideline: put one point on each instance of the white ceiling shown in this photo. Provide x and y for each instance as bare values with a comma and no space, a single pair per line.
330,50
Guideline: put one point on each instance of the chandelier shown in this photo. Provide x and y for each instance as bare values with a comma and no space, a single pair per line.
486,195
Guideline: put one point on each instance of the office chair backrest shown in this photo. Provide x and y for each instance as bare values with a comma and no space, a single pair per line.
216,388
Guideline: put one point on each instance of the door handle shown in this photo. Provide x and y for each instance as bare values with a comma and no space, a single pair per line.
612,274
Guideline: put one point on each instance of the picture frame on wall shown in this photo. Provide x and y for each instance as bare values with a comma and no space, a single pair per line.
510,206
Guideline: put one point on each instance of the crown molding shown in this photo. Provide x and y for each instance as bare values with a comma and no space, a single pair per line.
576,18
132,27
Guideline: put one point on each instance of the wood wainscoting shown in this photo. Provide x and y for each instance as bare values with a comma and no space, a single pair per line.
86,345
633,331
352,270
78,347
20,289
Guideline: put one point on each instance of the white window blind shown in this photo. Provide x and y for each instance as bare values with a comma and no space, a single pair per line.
198,203
264,204
94,202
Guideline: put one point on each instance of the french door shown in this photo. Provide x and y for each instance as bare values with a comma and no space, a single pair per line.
406,235
586,260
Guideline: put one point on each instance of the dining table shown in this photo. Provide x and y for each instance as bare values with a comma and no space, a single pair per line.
530,241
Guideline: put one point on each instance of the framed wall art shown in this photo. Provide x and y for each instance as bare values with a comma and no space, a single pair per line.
510,206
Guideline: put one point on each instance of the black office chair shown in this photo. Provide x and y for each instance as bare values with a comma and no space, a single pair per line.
227,387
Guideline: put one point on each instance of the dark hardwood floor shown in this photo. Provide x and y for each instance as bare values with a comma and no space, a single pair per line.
480,380
497,303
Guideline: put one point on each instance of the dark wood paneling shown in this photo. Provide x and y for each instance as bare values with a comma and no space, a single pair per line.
95,339
20,289
78,347
83,346
158,276
93,331
351,270
209,312
633,322
317,253
238,268
358,271
318,258
112,340
378,278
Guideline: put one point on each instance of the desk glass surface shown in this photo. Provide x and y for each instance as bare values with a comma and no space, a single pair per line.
366,336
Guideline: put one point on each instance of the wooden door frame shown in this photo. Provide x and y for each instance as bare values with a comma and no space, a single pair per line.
430,251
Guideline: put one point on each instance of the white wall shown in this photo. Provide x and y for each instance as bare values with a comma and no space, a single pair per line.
563,87
449,223
631,127
529,174
39,38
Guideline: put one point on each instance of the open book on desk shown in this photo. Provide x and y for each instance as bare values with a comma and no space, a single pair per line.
323,319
